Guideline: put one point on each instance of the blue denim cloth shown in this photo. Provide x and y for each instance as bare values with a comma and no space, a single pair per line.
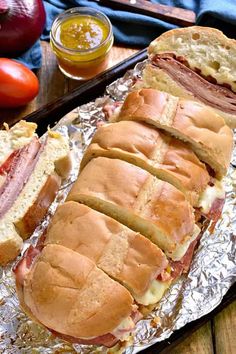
138,30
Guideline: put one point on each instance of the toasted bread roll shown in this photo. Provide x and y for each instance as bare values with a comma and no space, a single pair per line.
140,201
122,253
81,304
163,156
159,79
194,123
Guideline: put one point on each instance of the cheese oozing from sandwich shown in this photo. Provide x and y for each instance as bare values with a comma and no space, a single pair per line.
210,194
154,293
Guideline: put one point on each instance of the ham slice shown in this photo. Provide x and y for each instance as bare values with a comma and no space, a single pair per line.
108,339
17,170
182,266
209,93
216,210
111,108
23,266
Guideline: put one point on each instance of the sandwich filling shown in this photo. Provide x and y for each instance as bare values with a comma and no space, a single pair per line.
15,172
154,293
121,333
211,201
209,93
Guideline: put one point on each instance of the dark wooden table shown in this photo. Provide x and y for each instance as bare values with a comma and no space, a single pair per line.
218,335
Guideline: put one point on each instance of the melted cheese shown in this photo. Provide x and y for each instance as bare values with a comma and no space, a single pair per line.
15,138
153,294
182,248
115,114
126,326
209,195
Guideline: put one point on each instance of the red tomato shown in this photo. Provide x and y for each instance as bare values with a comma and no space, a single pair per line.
18,84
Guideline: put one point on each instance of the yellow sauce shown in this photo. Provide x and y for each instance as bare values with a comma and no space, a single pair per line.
81,44
82,33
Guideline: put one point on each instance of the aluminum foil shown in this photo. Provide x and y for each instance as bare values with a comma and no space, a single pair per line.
212,272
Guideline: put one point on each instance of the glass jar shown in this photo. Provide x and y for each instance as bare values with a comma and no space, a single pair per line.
82,38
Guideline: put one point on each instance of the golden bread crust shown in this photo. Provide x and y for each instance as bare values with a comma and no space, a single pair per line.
74,303
136,199
36,212
163,156
157,78
190,121
123,254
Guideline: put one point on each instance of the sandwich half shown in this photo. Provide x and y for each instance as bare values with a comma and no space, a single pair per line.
140,201
65,291
195,63
31,173
123,254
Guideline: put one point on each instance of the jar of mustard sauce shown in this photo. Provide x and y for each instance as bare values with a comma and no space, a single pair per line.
82,38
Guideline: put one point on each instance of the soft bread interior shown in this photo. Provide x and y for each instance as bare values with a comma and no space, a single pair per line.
146,204
84,304
15,138
156,78
54,150
206,49
144,146
10,243
205,131
124,255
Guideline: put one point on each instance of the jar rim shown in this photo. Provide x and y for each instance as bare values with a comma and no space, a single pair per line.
80,11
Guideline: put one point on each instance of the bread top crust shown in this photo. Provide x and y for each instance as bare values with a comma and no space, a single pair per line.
166,157
207,128
188,120
122,253
204,48
111,179
132,137
136,190
156,78
81,304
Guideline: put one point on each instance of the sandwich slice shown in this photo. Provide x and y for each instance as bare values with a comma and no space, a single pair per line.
65,292
195,63
192,122
161,155
123,254
140,201
31,173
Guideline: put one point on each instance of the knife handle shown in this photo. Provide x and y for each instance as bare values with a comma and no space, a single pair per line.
175,15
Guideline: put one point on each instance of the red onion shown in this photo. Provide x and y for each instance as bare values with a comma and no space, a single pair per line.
21,24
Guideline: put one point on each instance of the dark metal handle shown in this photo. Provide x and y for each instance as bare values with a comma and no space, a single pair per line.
175,15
